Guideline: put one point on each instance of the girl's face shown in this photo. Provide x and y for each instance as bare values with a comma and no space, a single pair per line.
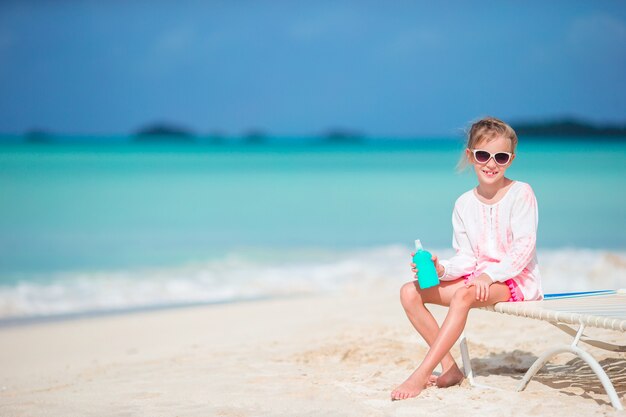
490,172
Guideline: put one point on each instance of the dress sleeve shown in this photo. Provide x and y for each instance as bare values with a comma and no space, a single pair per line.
464,262
524,220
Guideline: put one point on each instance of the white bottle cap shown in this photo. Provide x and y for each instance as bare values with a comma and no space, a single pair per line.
418,245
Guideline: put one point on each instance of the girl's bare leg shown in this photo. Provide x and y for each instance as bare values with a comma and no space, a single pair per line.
460,304
413,299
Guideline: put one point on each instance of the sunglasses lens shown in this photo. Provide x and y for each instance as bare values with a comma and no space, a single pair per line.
501,158
482,156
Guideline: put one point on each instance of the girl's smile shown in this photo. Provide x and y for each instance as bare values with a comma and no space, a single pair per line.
489,173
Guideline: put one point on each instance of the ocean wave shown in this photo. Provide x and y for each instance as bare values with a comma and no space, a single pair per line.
271,273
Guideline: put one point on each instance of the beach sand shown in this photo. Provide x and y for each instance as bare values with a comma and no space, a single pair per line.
335,355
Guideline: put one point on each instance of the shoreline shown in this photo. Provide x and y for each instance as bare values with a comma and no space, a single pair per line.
94,314
334,354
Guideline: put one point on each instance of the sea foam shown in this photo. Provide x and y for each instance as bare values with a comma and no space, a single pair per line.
270,273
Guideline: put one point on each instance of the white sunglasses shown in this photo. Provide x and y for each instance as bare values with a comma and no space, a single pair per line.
500,158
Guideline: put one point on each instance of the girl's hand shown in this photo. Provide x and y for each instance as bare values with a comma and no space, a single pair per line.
482,284
413,266
438,267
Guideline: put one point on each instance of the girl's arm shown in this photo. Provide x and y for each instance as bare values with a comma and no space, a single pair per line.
524,219
464,262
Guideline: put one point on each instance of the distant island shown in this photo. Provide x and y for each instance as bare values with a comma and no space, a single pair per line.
341,136
163,132
254,137
569,127
556,129
38,136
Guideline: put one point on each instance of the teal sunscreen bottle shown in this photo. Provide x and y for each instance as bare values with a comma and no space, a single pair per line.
425,267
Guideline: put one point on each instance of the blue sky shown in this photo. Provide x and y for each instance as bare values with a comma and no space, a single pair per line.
298,68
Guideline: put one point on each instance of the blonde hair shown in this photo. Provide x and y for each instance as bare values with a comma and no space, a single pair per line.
487,128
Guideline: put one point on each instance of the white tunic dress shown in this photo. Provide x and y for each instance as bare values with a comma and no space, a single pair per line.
497,239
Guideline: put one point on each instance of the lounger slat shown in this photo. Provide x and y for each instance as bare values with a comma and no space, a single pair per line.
602,311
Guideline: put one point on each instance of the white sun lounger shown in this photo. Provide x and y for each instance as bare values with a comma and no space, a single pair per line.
601,309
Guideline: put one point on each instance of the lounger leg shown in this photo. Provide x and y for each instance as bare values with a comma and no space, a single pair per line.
467,365
595,366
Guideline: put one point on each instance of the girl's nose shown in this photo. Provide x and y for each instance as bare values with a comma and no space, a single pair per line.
491,163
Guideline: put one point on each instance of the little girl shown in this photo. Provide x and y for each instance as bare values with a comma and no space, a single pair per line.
495,228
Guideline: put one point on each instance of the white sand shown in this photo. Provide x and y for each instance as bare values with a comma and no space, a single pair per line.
337,355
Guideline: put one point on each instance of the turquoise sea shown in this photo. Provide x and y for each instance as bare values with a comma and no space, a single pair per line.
99,227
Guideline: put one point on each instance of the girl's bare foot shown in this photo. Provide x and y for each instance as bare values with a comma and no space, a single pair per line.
409,388
449,378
